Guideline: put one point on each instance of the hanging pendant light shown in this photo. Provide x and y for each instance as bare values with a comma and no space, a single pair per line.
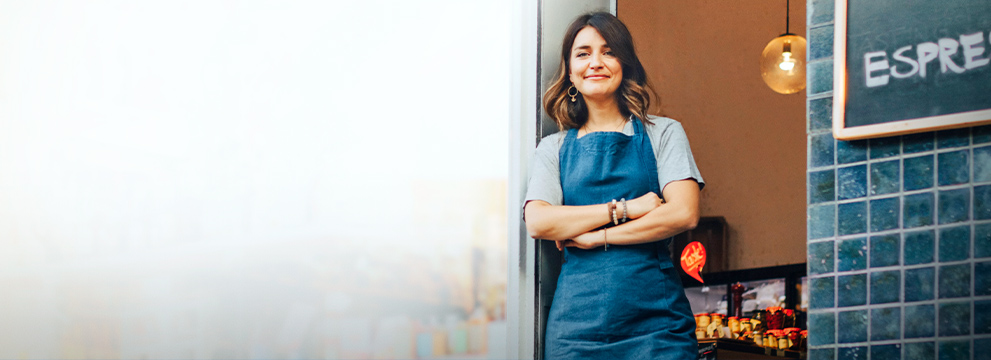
782,64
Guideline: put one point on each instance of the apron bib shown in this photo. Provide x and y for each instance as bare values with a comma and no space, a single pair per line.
628,302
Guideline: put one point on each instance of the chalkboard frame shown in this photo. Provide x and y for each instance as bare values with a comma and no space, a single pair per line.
907,126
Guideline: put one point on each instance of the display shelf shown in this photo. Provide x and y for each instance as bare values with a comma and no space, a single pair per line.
729,349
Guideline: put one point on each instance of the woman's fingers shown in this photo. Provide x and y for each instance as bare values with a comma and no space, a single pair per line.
559,244
655,199
572,243
642,205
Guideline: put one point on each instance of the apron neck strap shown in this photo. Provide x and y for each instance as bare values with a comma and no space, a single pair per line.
637,125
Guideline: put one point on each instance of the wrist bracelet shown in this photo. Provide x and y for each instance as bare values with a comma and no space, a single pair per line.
610,211
615,220
605,240
624,209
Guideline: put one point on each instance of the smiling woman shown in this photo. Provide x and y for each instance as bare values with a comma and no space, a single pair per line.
608,190
593,60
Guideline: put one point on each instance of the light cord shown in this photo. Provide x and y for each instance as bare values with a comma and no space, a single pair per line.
787,16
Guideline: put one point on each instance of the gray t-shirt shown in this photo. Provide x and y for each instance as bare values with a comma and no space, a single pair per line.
667,137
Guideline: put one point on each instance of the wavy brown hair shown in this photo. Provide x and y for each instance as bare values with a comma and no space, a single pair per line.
634,93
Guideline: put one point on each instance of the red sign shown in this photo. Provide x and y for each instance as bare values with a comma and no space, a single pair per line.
692,260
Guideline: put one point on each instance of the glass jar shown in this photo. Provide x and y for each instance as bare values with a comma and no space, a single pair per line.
715,328
788,319
770,340
703,320
734,326
792,335
775,318
745,325
759,321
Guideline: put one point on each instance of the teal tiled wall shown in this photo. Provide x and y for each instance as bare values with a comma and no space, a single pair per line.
899,233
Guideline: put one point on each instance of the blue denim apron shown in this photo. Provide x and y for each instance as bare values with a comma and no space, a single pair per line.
627,302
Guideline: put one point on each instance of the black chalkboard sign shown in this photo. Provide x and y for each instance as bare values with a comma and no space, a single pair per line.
903,66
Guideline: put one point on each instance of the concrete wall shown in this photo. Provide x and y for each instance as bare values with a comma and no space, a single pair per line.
703,57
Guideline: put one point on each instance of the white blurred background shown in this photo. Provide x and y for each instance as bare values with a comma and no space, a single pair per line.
253,179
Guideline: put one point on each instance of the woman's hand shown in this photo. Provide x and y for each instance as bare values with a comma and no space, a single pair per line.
642,205
589,240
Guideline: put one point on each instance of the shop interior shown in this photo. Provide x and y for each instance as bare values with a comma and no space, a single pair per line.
748,140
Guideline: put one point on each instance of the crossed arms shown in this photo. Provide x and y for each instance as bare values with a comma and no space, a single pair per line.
651,219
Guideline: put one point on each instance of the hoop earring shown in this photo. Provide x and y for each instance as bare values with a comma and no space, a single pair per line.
572,95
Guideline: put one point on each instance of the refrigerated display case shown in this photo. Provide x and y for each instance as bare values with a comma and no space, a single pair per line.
781,286
776,296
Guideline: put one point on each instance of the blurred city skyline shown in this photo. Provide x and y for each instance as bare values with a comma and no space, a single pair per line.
252,179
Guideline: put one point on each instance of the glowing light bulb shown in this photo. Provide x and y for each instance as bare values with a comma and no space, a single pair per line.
782,64
787,63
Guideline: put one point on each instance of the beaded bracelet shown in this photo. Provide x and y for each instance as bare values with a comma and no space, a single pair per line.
624,209
610,210
615,220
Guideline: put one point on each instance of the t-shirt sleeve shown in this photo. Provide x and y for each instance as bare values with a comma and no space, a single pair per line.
545,172
674,155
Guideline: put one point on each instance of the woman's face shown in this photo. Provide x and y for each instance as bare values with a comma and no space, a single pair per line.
595,70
